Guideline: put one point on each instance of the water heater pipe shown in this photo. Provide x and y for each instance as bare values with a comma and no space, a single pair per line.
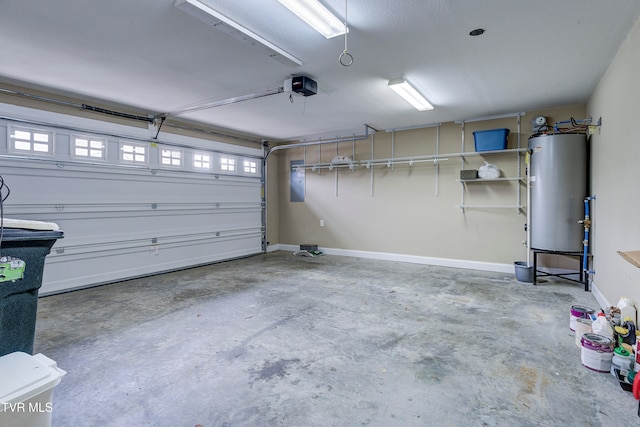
585,243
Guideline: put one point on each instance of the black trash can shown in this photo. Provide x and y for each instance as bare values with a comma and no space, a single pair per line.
19,298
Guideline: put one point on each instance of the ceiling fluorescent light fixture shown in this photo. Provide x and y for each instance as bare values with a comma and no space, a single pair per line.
412,96
219,21
317,16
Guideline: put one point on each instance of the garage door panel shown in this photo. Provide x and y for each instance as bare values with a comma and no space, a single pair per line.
122,186
87,228
139,261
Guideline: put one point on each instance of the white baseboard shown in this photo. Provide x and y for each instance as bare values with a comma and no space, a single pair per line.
273,248
414,259
599,296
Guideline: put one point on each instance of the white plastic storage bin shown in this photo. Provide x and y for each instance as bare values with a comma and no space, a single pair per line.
26,389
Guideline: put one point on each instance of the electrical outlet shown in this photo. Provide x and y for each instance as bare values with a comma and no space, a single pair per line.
322,223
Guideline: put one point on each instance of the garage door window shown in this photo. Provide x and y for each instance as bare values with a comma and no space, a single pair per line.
251,167
133,153
83,147
170,157
227,164
30,141
201,161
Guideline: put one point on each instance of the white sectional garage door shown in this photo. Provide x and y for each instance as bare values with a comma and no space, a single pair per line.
129,205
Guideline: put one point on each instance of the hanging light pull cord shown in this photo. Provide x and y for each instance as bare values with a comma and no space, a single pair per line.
345,57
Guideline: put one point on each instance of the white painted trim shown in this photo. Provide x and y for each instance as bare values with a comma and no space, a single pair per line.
414,259
599,296
273,248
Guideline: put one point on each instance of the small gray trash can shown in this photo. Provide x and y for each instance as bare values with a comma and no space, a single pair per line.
19,298
524,273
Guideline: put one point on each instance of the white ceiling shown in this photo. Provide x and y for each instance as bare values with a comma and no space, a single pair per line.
149,55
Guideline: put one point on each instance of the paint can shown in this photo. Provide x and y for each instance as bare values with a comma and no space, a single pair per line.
579,312
596,352
583,326
622,360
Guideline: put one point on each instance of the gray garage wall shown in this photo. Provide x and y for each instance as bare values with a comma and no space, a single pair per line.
122,219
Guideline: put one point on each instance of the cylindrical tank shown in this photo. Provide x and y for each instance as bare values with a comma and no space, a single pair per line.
559,183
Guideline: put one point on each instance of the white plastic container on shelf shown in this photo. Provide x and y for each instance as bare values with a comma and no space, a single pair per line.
26,389
627,310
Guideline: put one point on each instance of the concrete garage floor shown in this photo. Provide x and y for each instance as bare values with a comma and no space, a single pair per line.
278,340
